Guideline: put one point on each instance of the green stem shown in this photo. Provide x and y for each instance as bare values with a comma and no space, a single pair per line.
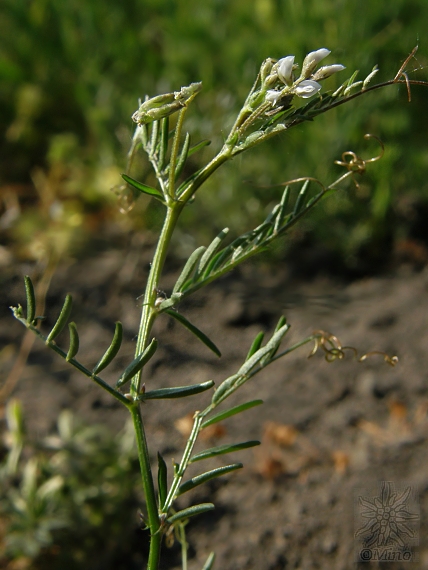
184,462
184,545
149,489
148,316
262,245
245,112
205,173
294,347
174,152
252,118
148,313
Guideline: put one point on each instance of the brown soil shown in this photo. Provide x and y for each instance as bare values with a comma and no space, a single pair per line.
327,429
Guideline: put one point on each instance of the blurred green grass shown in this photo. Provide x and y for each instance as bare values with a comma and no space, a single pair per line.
71,74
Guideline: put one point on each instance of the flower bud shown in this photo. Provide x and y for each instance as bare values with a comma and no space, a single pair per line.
307,88
266,68
156,108
188,92
161,106
285,69
326,71
312,60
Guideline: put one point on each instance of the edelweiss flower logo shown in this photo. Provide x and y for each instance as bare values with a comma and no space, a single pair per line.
387,516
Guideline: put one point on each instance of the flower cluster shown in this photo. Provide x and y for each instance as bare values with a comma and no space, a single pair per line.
281,73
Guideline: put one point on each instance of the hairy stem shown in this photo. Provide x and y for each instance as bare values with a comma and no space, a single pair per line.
174,152
184,462
184,545
149,313
148,316
224,155
148,486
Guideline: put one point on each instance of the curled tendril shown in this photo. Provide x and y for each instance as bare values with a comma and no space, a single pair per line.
302,179
350,160
357,165
333,349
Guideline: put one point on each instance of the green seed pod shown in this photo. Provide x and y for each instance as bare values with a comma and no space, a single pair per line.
112,350
62,319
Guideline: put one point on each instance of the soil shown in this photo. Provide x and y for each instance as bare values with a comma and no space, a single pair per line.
331,432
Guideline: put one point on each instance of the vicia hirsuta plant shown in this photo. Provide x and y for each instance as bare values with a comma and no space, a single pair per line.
276,102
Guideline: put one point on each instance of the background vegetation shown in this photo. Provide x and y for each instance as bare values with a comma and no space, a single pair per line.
71,74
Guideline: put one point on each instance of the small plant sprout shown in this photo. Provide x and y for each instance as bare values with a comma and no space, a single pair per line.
279,100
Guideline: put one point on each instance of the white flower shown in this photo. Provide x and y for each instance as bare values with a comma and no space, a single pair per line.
303,87
272,96
312,60
326,71
285,69
307,88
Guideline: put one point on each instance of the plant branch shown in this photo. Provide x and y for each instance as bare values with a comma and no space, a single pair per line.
149,313
174,152
178,475
148,486
51,344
